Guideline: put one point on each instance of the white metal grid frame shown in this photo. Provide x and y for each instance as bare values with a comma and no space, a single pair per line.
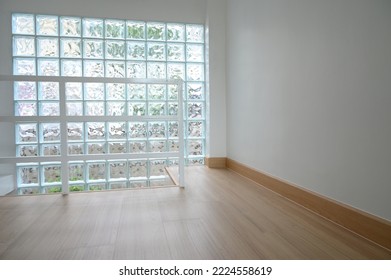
64,159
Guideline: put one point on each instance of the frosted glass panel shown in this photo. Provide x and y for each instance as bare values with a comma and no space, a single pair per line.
96,131
71,68
50,132
115,91
94,91
47,25
117,130
73,91
26,109
93,68
195,129
136,70
176,32
47,47
195,53
70,26
156,70
176,71
23,24
195,33
118,170
115,29
135,30
156,31
75,132
156,51
115,69
93,28
71,48
27,132
96,171
195,72
24,66
137,130
176,52
93,49
157,130
95,108
49,109
136,91
24,46
138,169
115,49
48,67
49,91
25,91
156,92
136,51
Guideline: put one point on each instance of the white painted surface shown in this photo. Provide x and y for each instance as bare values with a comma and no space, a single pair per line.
6,184
309,95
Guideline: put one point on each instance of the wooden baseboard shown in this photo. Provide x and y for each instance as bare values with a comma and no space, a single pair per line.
369,226
216,162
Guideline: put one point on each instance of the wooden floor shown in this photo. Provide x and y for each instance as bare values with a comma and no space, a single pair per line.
220,215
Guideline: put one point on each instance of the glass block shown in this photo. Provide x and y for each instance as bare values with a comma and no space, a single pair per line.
93,68
118,170
194,147
94,91
95,108
157,146
76,149
23,24
74,108
195,129
47,47
135,30
74,91
137,147
173,146
92,28
118,186
195,161
156,70
70,26
71,68
156,109
71,48
115,50
176,52
24,66
53,189
49,90
175,32
75,131
116,109
115,91
25,91
51,150
96,148
93,49
157,168
29,191
195,72
195,91
47,25
157,129
117,130
49,109
136,70
28,150
76,172
48,67
117,147
156,51
172,92
96,131
115,69
194,53
136,51
26,132
176,71
115,29
136,109
96,187
173,129
77,188
138,184
137,169
137,130
50,132
136,91
24,46
173,109
28,175
156,92
195,110
26,109
51,174
194,33
156,31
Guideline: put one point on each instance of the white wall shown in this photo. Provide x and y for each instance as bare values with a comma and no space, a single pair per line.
309,95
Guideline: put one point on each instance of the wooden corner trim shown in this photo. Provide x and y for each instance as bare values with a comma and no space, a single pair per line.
216,162
369,226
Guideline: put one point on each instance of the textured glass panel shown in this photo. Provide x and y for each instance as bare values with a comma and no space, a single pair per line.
94,91
96,148
156,70
136,91
195,53
26,108
135,30
73,91
156,31
118,185
48,67
76,188
76,172
173,129
173,146
156,92
156,51
157,146
95,108
96,131
195,91
71,48
96,171
93,28
173,109
93,68
194,33
118,170
136,70
115,91
76,149
74,109
47,25
137,109
117,130
51,150
175,32
176,71
70,26
138,169
137,147
93,49
28,175
50,132
172,92
47,47
195,72
195,110
156,109
23,24
115,108
49,91
117,147
96,187
27,132
52,173
157,129
115,69
71,68
28,150
25,91
176,52
157,168
75,131
194,147
115,29
136,51
24,46
138,184
195,129
49,109
115,49
137,130
24,66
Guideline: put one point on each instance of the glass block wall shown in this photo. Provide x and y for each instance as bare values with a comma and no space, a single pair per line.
49,45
